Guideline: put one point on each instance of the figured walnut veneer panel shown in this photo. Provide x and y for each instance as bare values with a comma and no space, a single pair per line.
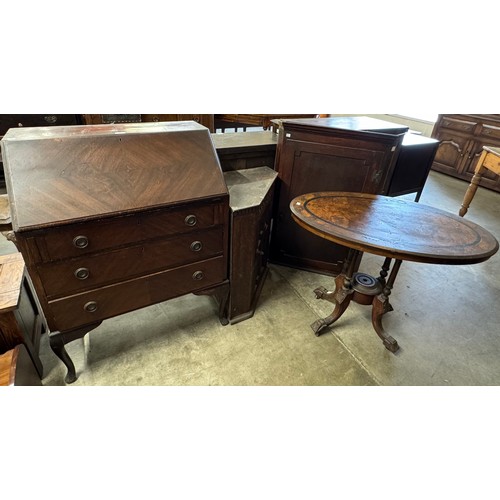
95,171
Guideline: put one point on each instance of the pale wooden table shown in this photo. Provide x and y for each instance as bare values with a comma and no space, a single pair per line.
489,160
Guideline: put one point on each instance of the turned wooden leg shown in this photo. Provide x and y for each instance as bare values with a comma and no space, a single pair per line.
381,306
471,190
57,342
384,271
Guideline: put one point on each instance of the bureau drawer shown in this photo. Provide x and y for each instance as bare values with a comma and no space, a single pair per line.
80,239
96,305
490,131
460,125
89,271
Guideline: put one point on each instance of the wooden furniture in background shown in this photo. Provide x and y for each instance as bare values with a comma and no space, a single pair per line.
251,194
315,155
243,121
117,217
243,150
205,120
21,321
461,139
16,368
488,161
48,120
393,228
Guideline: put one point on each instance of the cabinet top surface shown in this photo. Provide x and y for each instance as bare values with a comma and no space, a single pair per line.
350,123
248,187
491,149
57,175
394,227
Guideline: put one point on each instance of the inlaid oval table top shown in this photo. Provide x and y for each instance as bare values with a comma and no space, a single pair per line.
393,227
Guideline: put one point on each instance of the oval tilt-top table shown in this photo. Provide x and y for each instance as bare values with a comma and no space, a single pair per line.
393,228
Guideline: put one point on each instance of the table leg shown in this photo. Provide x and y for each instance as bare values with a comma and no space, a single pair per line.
342,295
381,306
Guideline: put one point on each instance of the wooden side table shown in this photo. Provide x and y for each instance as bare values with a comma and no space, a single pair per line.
489,160
393,228
21,321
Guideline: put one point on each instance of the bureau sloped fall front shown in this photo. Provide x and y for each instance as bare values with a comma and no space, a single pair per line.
112,218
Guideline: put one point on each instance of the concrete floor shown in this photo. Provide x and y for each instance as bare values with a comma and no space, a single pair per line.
445,319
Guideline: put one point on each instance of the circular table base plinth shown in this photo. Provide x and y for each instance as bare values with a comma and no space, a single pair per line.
365,288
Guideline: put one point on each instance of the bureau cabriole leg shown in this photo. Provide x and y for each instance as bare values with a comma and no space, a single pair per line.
59,339
221,295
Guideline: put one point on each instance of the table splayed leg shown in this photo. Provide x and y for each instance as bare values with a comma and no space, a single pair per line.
381,306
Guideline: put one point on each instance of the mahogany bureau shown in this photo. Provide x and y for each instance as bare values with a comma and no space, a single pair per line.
112,218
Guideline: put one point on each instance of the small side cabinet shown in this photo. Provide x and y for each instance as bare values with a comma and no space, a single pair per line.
21,320
251,193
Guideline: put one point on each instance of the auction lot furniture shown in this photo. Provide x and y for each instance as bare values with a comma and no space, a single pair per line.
21,321
393,228
488,161
112,218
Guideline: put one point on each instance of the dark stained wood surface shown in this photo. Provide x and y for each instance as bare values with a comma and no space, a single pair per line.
361,123
78,173
393,227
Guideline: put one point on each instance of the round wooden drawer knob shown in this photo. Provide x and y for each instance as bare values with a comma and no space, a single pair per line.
198,275
82,273
190,220
196,246
90,306
80,241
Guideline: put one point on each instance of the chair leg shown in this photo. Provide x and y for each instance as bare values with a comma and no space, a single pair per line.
471,190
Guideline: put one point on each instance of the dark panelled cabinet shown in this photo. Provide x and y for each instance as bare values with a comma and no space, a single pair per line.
314,155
